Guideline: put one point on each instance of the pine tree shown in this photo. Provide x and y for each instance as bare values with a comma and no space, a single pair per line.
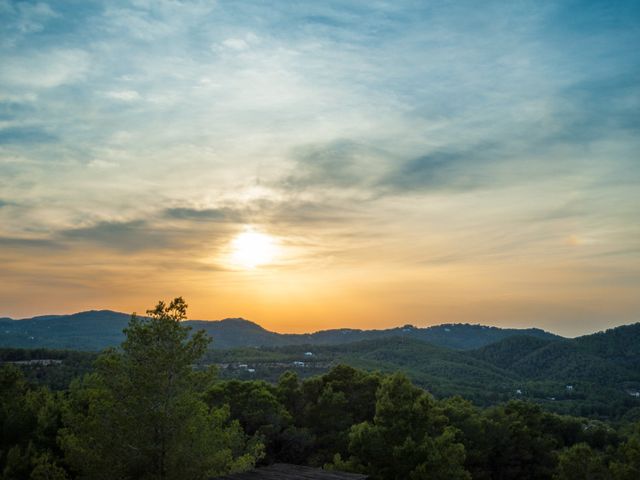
142,415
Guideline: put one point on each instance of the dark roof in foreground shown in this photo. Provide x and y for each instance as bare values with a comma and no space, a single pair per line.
285,471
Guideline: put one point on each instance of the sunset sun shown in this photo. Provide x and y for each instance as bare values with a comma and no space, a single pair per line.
365,240
251,249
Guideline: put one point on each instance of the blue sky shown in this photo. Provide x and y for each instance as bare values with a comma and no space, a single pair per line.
428,161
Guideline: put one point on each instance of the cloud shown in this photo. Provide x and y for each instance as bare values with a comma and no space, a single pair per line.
284,212
454,170
124,95
235,43
314,214
25,135
102,164
364,169
593,109
383,131
21,242
341,163
127,237
42,69
206,214
33,16
24,18
12,109
195,231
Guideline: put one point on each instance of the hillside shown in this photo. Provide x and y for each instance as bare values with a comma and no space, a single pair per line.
620,345
577,359
585,376
593,375
97,329
92,330
443,371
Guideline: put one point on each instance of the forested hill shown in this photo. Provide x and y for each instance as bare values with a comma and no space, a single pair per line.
595,375
583,356
95,330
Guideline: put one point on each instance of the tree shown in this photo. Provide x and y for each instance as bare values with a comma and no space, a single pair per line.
29,420
290,393
142,415
407,439
255,405
331,404
581,461
627,465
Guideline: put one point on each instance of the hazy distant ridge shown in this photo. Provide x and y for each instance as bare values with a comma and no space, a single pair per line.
97,329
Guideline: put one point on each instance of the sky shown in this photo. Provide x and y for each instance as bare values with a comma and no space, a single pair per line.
311,165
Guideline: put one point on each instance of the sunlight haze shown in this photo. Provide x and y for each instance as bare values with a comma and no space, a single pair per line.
314,165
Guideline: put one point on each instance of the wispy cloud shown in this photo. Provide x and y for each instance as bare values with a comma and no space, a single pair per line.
205,214
125,236
25,135
409,134
29,243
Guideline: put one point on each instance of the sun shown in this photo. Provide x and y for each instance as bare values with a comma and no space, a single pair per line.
251,249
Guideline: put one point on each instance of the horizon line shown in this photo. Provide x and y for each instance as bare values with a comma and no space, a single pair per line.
328,329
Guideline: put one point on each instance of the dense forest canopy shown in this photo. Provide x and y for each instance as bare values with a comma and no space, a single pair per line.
143,411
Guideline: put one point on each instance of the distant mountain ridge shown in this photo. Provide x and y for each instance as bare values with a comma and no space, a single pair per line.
98,329
593,375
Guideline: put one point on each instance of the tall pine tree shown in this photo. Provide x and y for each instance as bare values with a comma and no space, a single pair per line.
141,414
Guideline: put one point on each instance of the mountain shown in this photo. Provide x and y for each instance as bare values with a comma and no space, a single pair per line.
621,345
237,332
604,357
594,375
441,370
98,329
92,330
457,336
555,360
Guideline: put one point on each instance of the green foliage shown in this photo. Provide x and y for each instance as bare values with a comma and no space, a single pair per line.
153,409
521,445
539,369
581,461
256,406
626,465
289,393
407,438
332,404
603,368
141,414
52,368
29,422
46,468
95,330
619,343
